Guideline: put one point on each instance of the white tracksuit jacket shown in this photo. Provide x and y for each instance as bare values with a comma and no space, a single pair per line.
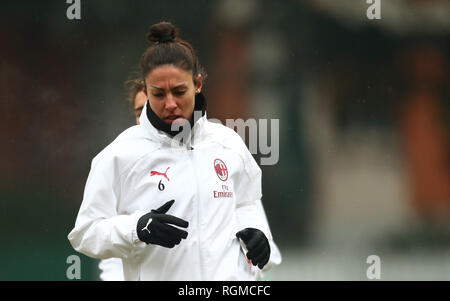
216,185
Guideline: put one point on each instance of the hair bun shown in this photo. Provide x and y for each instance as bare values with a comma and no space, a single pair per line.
163,32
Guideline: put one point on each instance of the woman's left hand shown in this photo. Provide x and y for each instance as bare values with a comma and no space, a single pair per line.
257,245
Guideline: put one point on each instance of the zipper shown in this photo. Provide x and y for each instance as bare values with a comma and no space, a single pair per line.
191,160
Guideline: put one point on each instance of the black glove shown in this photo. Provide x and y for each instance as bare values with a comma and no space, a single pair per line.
257,245
154,228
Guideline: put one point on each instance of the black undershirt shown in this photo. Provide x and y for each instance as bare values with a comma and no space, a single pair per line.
200,105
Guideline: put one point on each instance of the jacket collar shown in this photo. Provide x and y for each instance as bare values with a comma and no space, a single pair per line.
162,132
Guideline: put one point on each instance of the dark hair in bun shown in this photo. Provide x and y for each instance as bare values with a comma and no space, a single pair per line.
163,32
168,49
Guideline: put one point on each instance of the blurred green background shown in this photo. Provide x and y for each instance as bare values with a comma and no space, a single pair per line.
364,123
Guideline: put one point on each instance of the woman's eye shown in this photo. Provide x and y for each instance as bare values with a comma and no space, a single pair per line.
158,95
179,93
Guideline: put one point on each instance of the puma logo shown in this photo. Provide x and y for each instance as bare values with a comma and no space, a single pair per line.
146,226
157,173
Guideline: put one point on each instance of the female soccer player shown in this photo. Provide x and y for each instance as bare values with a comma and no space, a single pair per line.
176,196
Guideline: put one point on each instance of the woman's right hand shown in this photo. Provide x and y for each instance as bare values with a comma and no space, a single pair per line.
156,227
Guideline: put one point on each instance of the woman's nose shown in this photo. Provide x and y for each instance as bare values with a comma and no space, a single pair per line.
170,102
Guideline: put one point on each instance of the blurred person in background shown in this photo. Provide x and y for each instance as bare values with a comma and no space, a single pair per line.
210,183
111,269
136,96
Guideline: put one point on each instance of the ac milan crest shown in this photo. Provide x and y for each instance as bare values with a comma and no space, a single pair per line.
221,169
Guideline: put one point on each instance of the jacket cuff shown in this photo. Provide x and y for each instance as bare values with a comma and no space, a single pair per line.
248,218
137,244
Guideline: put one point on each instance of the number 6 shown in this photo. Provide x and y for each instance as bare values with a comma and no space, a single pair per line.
161,186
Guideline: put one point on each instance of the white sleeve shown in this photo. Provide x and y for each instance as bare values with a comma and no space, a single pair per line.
249,209
275,254
248,194
111,269
99,232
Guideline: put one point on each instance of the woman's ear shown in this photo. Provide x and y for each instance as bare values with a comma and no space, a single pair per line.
198,83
